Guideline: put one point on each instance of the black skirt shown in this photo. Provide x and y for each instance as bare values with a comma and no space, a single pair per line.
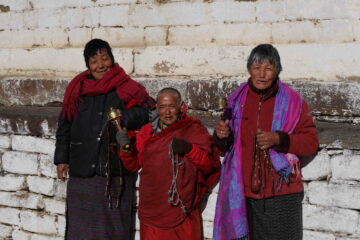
276,218
88,216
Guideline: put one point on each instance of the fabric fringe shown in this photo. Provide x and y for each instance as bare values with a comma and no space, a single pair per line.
246,237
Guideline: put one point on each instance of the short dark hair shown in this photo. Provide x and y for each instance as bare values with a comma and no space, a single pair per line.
264,52
170,90
92,48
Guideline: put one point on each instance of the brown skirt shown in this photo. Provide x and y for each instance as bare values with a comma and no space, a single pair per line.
88,216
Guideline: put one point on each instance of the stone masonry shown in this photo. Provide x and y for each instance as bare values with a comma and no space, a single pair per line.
32,200
198,46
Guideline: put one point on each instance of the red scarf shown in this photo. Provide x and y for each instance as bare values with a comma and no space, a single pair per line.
126,88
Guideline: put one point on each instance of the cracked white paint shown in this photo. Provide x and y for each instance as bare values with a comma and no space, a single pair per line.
318,41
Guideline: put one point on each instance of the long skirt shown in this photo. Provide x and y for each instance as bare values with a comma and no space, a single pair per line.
89,215
275,218
190,229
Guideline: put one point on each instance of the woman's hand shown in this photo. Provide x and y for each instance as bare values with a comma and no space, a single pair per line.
222,129
62,171
266,140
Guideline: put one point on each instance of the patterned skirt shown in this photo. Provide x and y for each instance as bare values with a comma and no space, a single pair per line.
88,215
275,218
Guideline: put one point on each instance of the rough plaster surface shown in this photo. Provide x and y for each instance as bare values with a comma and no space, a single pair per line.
32,204
199,47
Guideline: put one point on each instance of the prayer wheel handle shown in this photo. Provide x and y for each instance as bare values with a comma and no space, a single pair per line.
221,104
114,116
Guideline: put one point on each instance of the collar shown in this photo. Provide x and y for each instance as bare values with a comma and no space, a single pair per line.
265,93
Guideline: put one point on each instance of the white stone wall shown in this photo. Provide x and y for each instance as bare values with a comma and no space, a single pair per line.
173,40
331,208
317,39
32,200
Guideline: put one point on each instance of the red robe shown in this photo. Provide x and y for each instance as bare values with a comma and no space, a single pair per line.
190,229
199,172
303,142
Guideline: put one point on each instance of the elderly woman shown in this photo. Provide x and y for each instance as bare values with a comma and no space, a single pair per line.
268,127
100,192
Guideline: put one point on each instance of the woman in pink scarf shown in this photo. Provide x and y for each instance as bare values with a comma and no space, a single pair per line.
267,129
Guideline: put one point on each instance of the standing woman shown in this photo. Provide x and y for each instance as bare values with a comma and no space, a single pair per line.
100,192
269,128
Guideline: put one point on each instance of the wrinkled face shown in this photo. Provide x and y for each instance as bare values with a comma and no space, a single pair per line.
168,108
100,64
262,75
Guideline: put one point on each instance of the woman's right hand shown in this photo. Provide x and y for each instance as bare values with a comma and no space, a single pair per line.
222,129
62,171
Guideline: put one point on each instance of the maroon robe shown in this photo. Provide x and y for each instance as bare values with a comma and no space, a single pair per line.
199,172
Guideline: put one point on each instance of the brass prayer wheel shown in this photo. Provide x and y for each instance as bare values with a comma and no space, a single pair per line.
114,115
221,103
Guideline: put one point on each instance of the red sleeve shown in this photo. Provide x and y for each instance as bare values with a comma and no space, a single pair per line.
201,159
222,145
133,160
130,160
304,140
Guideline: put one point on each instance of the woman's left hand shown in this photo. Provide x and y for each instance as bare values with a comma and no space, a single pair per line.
266,140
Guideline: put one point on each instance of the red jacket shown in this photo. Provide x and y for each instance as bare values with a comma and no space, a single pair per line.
199,172
302,142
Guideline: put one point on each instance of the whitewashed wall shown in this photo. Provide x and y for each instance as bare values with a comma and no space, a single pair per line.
172,40
32,200
32,204
316,39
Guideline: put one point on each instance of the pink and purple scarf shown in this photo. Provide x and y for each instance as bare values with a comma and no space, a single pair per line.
230,216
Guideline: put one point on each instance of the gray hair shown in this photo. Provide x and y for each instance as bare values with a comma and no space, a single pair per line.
171,91
264,52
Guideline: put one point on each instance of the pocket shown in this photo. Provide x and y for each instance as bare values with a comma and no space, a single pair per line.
75,150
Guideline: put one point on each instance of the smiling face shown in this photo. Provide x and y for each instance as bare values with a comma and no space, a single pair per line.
168,108
100,63
262,75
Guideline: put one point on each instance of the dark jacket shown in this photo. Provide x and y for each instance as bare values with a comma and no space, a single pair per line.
83,142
